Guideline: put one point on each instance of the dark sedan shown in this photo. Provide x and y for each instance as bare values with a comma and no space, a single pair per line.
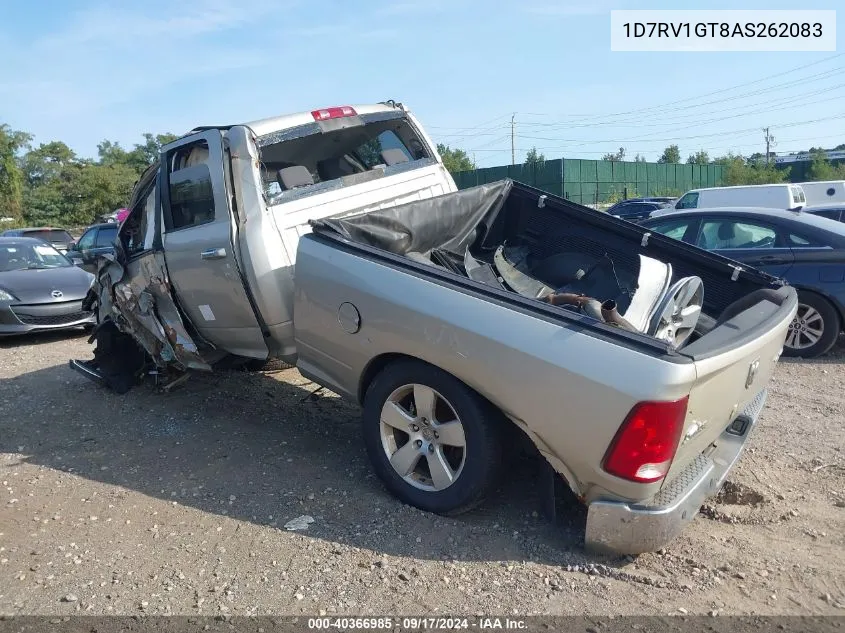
806,250
635,210
832,211
97,240
40,289
61,240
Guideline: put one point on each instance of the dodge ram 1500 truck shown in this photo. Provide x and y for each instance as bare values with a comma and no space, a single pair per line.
636,364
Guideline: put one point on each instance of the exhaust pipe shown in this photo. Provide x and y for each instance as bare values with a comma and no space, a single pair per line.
606,312
610,314
590,306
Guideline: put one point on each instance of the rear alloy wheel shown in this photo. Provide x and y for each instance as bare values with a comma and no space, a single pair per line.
814,329
433,442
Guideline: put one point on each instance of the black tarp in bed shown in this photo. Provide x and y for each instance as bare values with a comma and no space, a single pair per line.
447,222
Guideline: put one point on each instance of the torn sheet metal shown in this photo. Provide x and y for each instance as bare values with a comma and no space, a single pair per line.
138,300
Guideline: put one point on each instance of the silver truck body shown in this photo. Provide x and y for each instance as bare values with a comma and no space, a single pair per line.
253,281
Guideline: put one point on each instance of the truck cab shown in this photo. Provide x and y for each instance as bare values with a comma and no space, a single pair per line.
220,216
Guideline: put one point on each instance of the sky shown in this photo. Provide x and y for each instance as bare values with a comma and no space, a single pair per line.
90,70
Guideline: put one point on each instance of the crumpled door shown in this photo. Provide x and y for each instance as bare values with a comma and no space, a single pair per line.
138,299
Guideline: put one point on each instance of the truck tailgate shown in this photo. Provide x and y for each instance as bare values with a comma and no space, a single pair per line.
732,369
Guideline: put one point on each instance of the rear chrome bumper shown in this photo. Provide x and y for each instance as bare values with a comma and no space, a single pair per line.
617,527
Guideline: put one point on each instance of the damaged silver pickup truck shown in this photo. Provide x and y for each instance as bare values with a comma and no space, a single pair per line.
636,364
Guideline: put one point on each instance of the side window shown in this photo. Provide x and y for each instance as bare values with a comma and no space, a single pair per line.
87,240
133,233
833,214
801,241
191,193
688,201
718,234
672,228
106,235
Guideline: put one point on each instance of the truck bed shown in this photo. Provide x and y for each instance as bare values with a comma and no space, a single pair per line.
557,239
394,283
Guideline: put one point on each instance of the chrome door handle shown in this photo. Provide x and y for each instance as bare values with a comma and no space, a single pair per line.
213,253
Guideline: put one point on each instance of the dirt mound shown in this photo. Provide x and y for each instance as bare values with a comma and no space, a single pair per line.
736,494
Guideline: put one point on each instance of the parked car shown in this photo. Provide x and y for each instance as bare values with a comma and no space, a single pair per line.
777,196
666,199
806,250
635,210
60,239
831,211
365,267
40,289
94,242
822,192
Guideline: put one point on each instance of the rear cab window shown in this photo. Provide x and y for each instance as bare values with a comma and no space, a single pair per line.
340,152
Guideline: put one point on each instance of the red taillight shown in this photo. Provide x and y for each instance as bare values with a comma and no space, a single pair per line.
645,444
332,113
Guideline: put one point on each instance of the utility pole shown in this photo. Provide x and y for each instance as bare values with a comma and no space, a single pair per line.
769,140
513,147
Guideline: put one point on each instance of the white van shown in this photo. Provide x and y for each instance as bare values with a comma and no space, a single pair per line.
824,192
779,196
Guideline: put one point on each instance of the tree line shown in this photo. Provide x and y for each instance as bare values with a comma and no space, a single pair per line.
739,169
50,185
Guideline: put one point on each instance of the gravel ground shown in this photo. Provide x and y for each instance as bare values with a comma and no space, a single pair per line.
177,503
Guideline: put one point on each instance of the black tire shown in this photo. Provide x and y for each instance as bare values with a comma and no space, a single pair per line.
118,357
826,316
482,425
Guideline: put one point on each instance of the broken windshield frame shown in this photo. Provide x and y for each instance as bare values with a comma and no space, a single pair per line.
358,150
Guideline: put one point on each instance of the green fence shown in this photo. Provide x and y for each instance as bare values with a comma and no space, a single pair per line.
597,181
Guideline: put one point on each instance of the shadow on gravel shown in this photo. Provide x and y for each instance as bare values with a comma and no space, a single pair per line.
40,338
260,448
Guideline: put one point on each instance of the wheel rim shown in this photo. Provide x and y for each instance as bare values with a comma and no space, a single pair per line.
679,312
423,437
806,328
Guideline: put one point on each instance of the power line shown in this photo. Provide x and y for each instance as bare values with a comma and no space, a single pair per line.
780,102
476,127
803,99
715,92
652,111
665,140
